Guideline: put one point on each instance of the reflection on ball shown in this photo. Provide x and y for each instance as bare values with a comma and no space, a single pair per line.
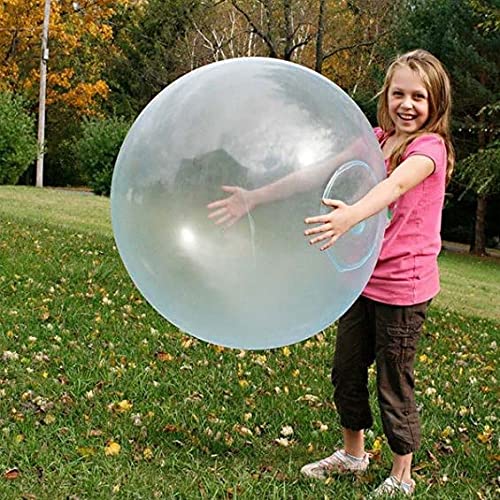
245,122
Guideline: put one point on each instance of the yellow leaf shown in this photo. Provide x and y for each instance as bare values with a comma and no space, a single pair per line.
147,453
447,431
377,444
124,405
286,351
86,451
260,359
49,419
486,435
187,343
112,449
242,430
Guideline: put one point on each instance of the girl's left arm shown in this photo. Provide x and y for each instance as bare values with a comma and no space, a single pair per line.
407,175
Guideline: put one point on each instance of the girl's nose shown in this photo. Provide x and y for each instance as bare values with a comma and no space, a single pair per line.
407,103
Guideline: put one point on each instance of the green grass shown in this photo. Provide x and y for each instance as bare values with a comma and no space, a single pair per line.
85,362
470,285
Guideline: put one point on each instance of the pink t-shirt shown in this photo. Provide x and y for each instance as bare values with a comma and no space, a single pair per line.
406,272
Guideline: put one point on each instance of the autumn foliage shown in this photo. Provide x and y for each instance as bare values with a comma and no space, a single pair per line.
78,34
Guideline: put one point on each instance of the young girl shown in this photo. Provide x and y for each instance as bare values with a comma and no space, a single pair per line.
384,324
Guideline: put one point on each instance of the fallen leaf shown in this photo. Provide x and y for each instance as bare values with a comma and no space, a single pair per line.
49,419
86,451
164,356
286,431
12,473
283,442
112,449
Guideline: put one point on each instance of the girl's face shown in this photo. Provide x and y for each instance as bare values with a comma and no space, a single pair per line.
408,101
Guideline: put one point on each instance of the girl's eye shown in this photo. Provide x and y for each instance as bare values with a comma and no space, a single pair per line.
397,93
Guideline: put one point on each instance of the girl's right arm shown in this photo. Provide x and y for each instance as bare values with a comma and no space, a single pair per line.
240,201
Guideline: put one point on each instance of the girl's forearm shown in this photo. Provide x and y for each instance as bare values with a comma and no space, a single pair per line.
302,180
378,198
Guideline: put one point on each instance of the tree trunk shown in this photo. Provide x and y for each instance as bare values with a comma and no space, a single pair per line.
287,11
479,245
319,38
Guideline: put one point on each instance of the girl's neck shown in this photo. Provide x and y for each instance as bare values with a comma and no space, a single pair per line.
394,139
398,136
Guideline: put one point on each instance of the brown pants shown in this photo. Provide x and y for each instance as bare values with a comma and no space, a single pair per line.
371,331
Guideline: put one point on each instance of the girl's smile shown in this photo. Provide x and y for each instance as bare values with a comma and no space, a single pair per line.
408,101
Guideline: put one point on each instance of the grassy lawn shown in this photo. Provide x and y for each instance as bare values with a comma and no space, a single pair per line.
102,398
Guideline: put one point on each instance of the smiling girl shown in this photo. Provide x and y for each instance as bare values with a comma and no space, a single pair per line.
384,324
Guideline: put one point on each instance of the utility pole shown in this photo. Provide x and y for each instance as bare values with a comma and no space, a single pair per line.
43,91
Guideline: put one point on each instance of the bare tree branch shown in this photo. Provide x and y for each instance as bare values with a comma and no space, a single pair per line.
264,36
366,43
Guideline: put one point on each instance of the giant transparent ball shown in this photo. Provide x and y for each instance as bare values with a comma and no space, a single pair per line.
250,123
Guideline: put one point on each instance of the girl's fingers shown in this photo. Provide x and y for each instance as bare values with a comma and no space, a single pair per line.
217,213
317,229
332,203
222,203
318,219
321,237
223,219
329,244
217,204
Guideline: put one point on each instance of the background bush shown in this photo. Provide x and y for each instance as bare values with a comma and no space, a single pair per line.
97,148
18,143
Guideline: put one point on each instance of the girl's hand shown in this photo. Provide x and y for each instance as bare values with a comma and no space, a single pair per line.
230,210
333,225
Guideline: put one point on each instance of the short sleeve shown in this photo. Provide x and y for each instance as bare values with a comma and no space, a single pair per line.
430,145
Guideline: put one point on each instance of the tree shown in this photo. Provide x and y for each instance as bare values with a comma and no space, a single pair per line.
283,27
80,35
480,172
147,57
77,30
347,36
18,146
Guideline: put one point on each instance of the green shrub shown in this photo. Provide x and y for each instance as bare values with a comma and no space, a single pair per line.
97,148
18,143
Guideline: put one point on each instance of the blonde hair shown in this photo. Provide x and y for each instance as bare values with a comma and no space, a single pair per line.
436,80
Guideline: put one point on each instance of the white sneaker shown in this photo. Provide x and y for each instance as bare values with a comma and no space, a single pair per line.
392,486
340,462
